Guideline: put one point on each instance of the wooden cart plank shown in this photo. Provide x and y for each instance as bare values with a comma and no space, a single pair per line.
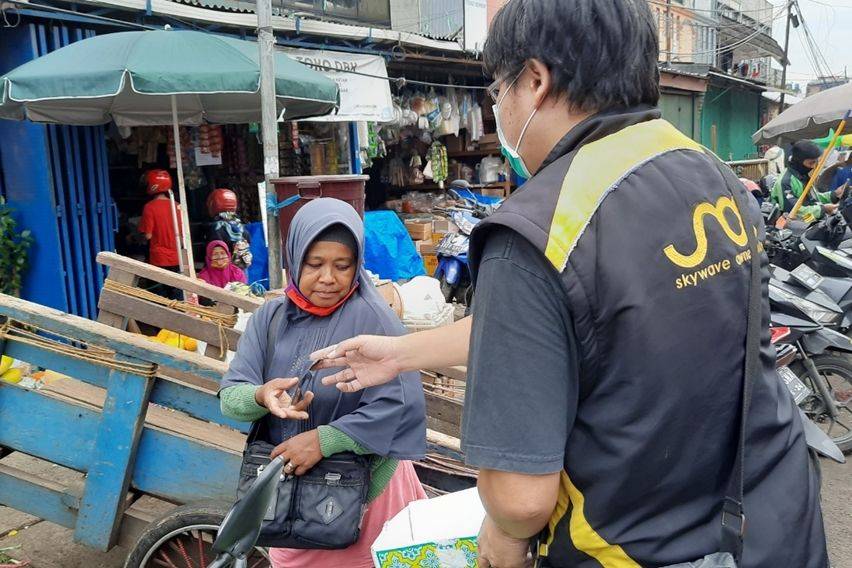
169,465
446,411
457,373
37,496
99,334
157,416
198,399
47,428
183,470
109,474
199,287
117,321
164,317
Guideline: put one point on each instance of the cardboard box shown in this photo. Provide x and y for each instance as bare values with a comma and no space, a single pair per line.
432,532
419,230
430,263
444,225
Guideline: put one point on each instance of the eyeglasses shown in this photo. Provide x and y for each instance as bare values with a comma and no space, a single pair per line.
493,89
219,257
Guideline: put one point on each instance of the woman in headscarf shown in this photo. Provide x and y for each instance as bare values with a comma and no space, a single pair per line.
219,270
329,298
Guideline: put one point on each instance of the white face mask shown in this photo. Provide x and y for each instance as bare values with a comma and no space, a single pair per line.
516,162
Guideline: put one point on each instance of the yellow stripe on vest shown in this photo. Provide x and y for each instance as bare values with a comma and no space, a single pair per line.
598,167
584,537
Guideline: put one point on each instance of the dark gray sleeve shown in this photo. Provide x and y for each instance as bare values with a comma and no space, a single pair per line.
522,388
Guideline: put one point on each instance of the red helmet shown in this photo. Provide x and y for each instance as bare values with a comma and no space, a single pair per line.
157,181
221,201
751,186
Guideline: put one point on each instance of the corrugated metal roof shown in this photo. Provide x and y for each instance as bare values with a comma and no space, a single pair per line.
227,5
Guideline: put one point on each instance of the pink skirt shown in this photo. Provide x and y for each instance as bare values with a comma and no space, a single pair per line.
403,488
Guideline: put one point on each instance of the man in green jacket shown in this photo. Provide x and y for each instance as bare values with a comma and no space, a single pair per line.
789,187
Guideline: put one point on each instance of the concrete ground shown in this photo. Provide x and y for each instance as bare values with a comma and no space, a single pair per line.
46,545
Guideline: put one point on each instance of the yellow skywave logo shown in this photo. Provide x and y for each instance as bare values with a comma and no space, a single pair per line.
737,234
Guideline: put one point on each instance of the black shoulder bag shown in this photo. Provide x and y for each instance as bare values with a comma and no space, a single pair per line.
319,510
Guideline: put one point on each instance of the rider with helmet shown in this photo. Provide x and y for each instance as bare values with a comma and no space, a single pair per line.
158,220
227,227
789,187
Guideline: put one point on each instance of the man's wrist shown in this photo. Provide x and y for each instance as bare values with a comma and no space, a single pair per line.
258,396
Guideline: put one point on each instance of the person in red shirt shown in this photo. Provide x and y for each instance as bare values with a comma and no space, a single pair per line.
158,224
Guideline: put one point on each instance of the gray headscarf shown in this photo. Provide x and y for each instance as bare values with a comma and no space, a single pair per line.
388,420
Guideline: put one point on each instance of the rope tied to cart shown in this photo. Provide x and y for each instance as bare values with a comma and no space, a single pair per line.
222,321
13,330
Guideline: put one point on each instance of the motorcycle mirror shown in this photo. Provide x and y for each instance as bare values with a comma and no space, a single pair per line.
241,526
819,441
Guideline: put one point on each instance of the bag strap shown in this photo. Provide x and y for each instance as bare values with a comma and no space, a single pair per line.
733,515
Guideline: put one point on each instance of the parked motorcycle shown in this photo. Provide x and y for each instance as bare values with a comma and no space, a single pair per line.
453,269
814,364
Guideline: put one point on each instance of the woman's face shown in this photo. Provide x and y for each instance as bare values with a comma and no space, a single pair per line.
327,273
219,258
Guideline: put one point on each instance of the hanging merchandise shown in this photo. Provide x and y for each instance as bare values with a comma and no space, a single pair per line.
437,159
450,118
185,146
208,142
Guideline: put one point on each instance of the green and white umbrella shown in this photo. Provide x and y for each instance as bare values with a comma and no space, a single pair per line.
132,77
160,77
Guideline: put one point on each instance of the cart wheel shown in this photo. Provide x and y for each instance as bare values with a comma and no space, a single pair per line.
183,538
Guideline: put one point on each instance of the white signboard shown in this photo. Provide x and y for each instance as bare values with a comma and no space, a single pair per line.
475,25
361,98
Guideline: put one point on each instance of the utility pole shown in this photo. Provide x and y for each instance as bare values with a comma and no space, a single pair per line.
269,125
786,54
668,33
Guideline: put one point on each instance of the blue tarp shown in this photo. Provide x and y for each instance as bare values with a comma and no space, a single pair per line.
259,269
390,252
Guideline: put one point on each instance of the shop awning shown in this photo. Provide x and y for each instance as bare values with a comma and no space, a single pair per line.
364,94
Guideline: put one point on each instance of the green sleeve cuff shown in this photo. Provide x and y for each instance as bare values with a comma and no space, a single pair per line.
333,441
238,403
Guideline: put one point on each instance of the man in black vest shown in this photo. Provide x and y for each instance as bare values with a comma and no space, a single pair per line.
607,342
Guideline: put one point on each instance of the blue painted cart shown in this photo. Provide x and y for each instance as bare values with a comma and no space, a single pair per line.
136,431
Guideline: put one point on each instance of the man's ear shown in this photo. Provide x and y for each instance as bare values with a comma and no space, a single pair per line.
541,81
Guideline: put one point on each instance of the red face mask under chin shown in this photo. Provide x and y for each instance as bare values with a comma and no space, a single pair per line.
306,305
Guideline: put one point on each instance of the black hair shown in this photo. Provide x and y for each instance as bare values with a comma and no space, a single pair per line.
602,54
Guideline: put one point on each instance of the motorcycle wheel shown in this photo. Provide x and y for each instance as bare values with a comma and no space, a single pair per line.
836,370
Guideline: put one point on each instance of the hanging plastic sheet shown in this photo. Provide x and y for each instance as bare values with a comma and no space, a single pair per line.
259,269
389,250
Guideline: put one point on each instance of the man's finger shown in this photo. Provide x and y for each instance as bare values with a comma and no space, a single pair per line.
336,363
352,386
339,350
339,377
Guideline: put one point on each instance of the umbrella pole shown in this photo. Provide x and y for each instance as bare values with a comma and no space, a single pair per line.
187,241
818,169
177,231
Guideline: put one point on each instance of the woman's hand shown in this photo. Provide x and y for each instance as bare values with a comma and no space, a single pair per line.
370,360
301,452
273,396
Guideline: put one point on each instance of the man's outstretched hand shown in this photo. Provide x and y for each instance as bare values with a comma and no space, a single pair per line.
366,360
